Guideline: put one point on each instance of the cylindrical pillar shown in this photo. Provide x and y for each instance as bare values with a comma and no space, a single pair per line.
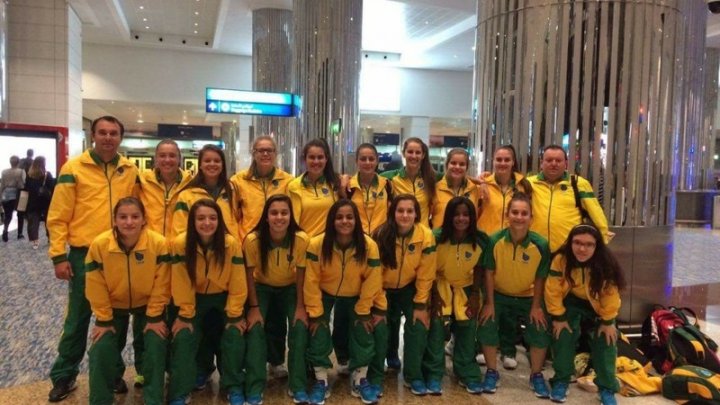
272,71
620,84
3,62
328,36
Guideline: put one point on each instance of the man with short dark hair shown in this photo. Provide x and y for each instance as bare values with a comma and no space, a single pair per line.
553,200
88,187
27,161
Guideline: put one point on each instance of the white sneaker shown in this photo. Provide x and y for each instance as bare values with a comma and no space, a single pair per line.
509,363
450,346
279,371
480,359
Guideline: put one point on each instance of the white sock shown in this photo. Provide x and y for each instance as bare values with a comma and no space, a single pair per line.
321,374
358,374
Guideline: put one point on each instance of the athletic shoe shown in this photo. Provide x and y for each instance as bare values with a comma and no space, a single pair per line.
184,400
378,390
119,386
256,399
540,388
279,371
559,392
394,363
480,359
319,393
509,363
434,387
236,398
474,387
490,383
364,391
201,381
61,389
299,397
417,387
607,397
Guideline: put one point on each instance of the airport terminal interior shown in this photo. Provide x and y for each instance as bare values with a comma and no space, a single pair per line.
455,73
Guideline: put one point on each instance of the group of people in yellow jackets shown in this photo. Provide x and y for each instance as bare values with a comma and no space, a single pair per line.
216,269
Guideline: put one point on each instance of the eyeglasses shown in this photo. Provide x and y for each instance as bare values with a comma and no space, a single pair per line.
264,151
588,245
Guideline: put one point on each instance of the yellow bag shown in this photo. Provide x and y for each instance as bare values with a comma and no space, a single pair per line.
634,379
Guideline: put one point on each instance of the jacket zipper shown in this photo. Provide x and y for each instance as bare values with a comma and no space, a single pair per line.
402,259
127,257
342,274
207,270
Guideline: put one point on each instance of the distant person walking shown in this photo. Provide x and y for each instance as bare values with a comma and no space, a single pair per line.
13,180
39,184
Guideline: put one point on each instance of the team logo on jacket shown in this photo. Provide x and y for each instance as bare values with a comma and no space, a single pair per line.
380,195
139,257
421,184
466,195
325,191
275,183
120,171
525,257
563,187
468,255
411,248
289,258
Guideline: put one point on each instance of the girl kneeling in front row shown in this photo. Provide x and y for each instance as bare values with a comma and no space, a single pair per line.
128,272
343,271
583,285
207,274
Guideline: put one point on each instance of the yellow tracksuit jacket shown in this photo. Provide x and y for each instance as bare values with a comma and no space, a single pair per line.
86,192
210,278
342,277
189,196
554,210
311,203
253,192
416,260
444,193
160,201
492,216
120,280
282,264
401,184
372,202
516,267
456,264
557,287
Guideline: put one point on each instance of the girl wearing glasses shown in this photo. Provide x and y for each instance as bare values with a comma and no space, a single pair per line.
584,285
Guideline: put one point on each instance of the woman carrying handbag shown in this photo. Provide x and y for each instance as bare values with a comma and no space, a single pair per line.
39,185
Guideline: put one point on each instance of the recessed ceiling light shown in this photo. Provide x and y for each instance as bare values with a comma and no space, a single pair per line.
427,22
472,47
197,13
140,121
144,19
184,122
142,7
147,27
195,31
196,24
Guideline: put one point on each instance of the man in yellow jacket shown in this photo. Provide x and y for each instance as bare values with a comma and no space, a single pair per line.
553,200
87,189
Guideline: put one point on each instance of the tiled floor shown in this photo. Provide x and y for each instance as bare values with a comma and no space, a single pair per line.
32,305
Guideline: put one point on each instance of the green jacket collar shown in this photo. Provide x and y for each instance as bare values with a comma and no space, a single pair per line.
508,238
96,158
565,176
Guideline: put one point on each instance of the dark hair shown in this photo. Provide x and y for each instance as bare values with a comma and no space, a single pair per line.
330,176
508,147
108,118
387,233
447,229
37,168
199,179
365,146
428,173
253,164
128,201
555,147
524,183
14,161
604,267
331,232
519,196
217,244
262,229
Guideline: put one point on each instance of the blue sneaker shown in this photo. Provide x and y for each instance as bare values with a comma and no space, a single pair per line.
540,388
473,387
299,397
180,401
434,387
417,387
490,382
378,390
394,363
607,397
559,392
256,399
365,392
319,393
236,398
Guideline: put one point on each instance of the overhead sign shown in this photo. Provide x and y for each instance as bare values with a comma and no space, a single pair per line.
380,139
227,101
184,131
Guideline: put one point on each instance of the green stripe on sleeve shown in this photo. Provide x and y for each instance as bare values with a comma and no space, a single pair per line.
181,206
237,260
311,256
428,250
164,259
93,265
178,259
586,194
555,273
373,262
66,178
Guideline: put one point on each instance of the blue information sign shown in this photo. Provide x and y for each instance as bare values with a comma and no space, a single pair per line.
226,101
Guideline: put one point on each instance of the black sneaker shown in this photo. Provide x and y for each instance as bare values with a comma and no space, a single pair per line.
5,236
119,386
20,237
61,389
